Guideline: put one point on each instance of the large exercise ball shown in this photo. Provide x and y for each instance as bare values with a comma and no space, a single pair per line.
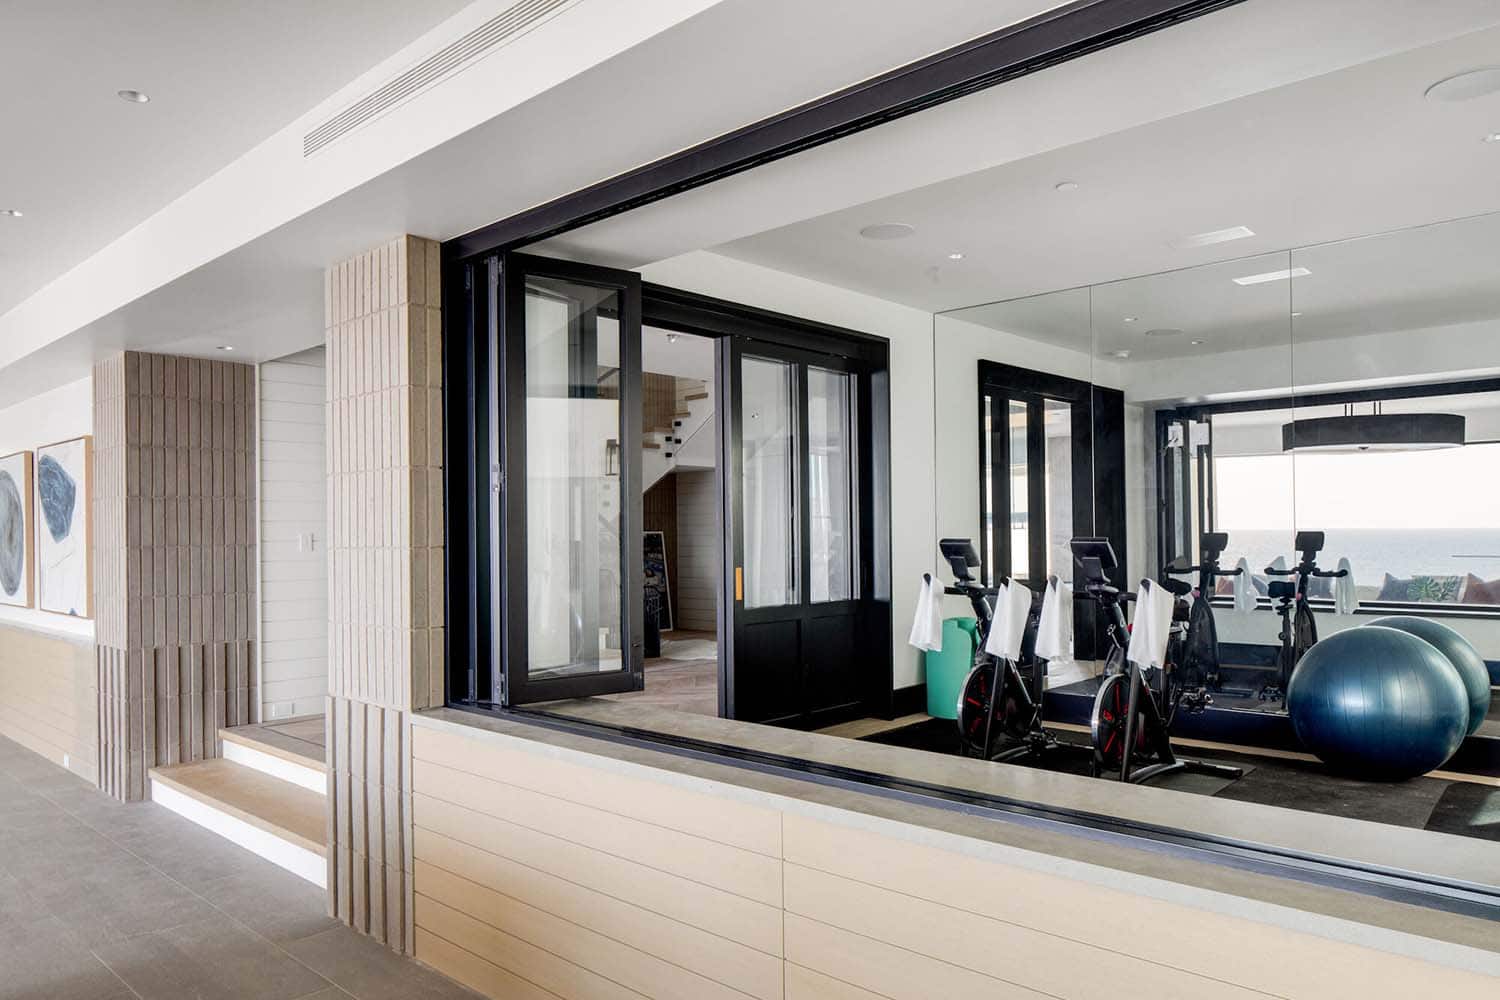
1471,668
1379,703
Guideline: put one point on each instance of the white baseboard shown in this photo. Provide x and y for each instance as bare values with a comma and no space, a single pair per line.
294,858
310,778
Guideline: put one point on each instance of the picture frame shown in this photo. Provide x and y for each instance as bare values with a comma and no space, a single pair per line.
17,530
657,581
63,477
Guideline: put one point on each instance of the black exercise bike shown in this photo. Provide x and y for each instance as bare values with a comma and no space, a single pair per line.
1133,710
1000,703
1199,663
1299,629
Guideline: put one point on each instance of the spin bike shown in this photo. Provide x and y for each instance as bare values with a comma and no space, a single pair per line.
1135,705
1299,629
1200,652
1000,703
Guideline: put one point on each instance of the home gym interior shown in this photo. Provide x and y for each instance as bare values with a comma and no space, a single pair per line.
1074,436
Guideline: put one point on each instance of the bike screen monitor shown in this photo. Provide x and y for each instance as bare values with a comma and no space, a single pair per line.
961,556
1213,544
1309,543
1095,558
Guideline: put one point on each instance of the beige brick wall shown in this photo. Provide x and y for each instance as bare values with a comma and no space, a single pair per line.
174,582
386,628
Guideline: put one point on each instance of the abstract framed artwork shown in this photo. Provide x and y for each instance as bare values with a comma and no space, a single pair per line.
64,556
17,530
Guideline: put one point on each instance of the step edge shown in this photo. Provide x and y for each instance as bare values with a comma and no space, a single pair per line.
289,756
163,774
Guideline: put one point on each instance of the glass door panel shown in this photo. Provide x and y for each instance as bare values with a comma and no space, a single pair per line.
570,550
768,481
831,485
1019,478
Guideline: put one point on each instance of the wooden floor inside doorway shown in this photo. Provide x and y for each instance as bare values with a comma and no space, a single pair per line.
682,679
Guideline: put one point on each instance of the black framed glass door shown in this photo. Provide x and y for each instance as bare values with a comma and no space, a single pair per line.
796,572
567,533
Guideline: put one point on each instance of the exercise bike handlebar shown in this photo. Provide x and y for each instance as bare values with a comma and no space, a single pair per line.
1329,573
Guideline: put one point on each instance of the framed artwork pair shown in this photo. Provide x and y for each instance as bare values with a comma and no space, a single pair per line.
46,544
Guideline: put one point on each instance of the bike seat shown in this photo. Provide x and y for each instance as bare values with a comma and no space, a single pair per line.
1178,588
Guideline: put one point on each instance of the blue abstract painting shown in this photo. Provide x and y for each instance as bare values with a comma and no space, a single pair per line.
62,552
15,529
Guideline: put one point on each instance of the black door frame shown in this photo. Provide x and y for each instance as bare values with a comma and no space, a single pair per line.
508,539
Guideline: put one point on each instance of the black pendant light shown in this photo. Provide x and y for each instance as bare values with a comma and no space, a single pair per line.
1374,431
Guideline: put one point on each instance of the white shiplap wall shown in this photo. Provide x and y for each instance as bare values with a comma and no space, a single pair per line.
697,551
293,537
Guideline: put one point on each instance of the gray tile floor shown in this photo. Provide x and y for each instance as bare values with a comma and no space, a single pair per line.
105,901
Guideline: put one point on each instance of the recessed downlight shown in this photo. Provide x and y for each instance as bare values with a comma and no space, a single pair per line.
1065,186
1285,274
133,96
12,213
1492,137
1467,85
887,231
672,338
225,347
1196,343
1164,331
955,256
1122,355
1131,319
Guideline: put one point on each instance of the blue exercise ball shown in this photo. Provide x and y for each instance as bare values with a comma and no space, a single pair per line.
1470,665
1379,703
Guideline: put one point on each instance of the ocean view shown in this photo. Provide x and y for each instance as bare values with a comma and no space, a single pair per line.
1373,553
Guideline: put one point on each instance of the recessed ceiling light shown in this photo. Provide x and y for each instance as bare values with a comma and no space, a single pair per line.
1295,315
1211,237
14,213
955,256
1131,319
1492,137
226,347
887,231
1196,343
1066,186
672,338
1265,276
133,96
1164,332
1466,86
1122,355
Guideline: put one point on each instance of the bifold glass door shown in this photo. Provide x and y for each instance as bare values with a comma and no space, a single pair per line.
793,540
569,548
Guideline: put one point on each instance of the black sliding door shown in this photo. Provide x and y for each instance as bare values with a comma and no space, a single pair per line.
797,557
567,526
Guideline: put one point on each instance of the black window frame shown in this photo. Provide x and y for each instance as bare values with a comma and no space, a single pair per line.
1054,37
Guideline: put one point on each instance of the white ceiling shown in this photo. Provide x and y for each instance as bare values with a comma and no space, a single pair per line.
84,166
1352,152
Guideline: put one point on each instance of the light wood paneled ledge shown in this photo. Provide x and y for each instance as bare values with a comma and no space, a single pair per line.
548,861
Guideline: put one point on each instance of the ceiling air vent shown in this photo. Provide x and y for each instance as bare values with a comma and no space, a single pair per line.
498,30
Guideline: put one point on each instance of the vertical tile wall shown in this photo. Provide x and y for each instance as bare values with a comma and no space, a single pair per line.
385,501
174,582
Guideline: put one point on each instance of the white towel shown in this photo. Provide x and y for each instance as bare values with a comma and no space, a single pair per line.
1345,594
1279,564
927,624
1153,625
1054,632
1012,605
1244,588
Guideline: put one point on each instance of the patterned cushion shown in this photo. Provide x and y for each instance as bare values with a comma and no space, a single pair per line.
1431,589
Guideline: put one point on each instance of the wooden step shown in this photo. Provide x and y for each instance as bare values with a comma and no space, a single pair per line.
278,749
280,821
683,414
652,445
695,395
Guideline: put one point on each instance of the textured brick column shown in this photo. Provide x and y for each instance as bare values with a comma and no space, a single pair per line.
385,502
174,560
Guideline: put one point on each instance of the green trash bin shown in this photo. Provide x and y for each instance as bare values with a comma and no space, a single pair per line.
947,669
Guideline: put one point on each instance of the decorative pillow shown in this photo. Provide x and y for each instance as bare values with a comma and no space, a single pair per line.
1477,591
1430,589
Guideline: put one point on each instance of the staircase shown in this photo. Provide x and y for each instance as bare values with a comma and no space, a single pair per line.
689,442
268,793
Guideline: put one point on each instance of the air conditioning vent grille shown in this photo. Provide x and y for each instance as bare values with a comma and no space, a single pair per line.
499,29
